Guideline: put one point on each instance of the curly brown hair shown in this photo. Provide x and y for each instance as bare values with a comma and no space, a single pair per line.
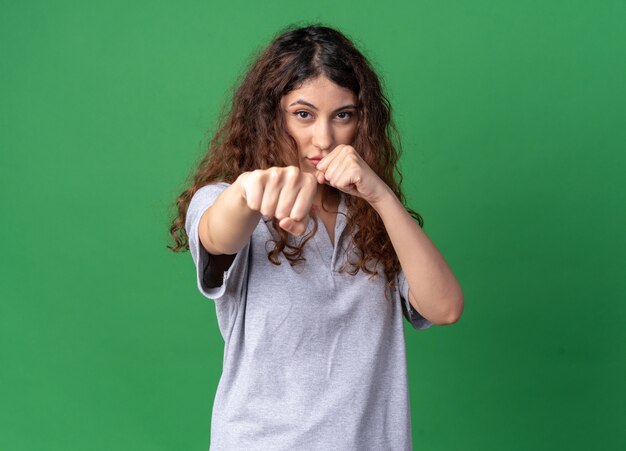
252,135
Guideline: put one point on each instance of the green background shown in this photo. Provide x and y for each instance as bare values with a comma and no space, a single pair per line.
513,120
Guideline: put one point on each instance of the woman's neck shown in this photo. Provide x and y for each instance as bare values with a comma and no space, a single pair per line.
331,198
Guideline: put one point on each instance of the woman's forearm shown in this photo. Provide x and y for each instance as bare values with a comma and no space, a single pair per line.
226,226
434,290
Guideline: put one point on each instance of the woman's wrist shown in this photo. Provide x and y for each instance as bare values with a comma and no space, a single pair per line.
385,195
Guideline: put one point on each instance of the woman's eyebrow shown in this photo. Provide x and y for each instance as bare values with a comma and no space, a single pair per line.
304,102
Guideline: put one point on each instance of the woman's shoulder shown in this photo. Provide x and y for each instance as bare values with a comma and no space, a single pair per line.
207,194
213,186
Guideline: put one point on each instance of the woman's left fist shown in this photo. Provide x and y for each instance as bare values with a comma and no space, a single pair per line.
344,169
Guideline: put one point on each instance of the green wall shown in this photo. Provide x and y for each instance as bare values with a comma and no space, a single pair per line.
513,119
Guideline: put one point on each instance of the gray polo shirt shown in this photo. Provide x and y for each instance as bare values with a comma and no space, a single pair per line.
314,359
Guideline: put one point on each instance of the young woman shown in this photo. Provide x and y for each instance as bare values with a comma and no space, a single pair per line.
296,225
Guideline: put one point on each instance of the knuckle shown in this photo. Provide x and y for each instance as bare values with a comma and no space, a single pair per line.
253,205
272,173
296,215
281,212
292,170
309,178
255,175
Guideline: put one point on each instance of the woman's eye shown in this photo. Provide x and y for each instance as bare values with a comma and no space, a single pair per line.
344,115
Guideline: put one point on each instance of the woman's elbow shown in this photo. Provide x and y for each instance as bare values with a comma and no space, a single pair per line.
454,311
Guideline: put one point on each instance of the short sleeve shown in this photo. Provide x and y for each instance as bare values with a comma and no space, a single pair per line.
234,277
413,316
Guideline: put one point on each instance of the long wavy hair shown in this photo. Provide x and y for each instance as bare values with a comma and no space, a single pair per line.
252,135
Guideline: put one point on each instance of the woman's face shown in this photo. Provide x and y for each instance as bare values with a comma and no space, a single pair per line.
320,115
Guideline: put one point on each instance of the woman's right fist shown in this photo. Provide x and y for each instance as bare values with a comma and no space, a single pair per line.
284,193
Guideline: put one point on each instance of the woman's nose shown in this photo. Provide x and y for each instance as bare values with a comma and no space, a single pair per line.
322,136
